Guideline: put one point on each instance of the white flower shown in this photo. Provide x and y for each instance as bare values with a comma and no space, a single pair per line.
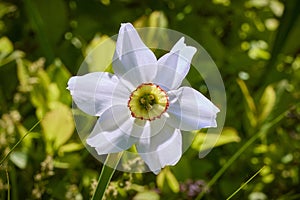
142,104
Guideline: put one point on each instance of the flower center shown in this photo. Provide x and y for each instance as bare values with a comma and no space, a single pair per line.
148,102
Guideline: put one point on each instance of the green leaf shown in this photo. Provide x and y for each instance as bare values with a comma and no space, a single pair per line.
149,195
7,53
70,147
208,141
53,93
38,99
6,8
23,75
58,126
158,19
267,103
6,47
172,181
250,105
19,159
160,179
60,75
100,53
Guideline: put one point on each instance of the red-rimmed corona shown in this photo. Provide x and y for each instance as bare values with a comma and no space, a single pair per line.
148,102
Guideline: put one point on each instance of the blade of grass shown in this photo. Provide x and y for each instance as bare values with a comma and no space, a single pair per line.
8,185
21,139
112,160
287,21
37,24
263,130
244,184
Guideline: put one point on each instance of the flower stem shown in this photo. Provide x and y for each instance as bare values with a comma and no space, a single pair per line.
22,138
244,184
107,172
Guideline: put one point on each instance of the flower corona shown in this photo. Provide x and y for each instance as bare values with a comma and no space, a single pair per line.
148,102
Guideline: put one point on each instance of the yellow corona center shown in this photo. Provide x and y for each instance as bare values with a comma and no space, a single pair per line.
148,102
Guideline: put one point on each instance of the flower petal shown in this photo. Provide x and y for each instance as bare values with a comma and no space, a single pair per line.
161,150
190,110
112,132
93,92
175,64
138,75
131,52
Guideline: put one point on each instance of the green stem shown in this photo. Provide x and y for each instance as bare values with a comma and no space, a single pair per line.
8,185
112,160
244,184
263,130
13,148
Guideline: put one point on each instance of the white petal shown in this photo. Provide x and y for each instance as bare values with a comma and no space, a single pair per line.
175,64
190,110
151,128
161,150
113,131
130,51
93,92
138,75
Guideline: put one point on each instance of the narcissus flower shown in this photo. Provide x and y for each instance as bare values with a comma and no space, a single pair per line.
142,103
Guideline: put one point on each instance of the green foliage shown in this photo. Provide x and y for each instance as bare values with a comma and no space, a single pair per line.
254,44
58,127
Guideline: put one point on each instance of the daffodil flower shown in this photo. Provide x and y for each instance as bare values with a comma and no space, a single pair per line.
142,103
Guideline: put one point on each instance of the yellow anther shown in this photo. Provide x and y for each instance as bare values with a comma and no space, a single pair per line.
142,100
151,97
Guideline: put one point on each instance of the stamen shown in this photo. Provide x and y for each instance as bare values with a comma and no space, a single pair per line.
151,97
142,100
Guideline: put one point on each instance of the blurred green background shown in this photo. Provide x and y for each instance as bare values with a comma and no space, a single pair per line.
255,44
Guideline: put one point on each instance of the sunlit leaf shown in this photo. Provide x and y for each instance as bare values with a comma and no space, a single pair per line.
172,181
58,126
60,75
6,47
228,135
267,103
158,19
251,109
23,75
100,53
149,195
160,179
6,8
39,100
53,93
7,53
19,159
257,195
61,165
70,147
